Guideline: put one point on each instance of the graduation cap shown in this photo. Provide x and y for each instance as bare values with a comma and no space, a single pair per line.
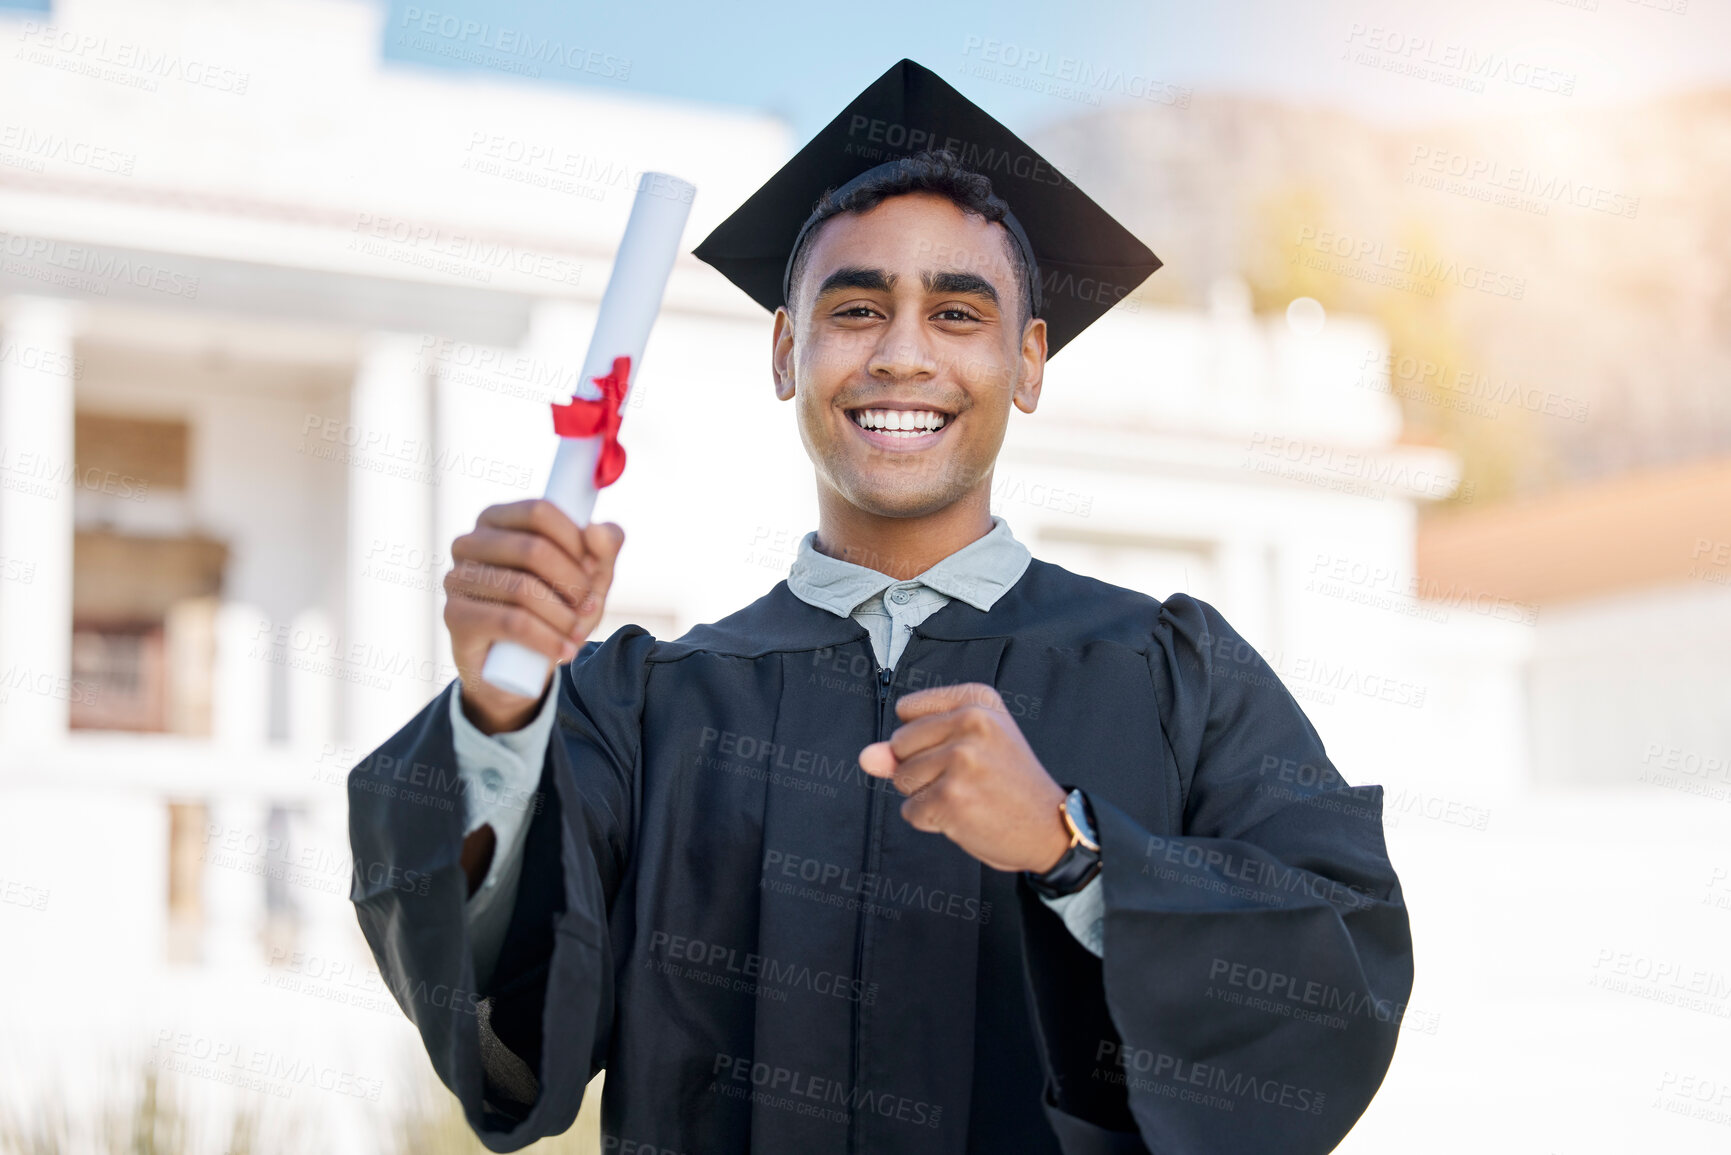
1083,261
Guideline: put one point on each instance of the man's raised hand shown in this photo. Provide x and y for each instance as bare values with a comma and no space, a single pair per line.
970,775
526,573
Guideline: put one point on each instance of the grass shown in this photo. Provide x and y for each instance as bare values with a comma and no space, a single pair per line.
155,1119
157,1116
434,1125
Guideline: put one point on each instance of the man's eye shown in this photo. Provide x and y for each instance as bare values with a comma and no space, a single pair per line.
956,313
856,311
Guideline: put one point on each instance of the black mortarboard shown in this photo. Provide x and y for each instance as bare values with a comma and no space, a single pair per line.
1086,261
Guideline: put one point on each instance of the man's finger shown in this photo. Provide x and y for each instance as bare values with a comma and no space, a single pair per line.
915,774
928,807
909,774
485,583
878,760
601,544
922,734
511,623
537,515
940,699
528,552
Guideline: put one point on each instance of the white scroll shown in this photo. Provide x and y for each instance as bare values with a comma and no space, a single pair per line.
628,309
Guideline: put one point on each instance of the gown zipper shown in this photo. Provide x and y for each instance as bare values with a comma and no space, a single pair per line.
885,679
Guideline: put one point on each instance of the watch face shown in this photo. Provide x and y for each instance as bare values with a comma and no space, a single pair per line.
1078,811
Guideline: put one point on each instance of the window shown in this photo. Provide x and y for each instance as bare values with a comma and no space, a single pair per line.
144,631
144,588
118,676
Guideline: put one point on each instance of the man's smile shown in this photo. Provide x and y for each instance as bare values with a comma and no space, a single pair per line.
900,427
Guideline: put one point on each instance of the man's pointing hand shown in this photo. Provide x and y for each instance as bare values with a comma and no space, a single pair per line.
969,774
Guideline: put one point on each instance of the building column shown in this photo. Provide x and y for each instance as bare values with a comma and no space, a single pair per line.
240,683
388,665
312,697
1246,592
37,484
238,853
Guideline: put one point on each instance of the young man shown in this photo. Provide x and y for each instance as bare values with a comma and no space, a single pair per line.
935,847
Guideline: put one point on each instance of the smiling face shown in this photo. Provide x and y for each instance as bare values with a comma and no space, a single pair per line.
904,352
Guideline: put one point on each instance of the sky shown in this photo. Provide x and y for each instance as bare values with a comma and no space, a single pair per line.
1031,62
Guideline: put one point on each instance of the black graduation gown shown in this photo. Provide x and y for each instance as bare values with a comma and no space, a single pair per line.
722,910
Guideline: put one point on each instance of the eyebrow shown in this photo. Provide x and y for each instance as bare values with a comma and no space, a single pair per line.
878,281
854,277
962,284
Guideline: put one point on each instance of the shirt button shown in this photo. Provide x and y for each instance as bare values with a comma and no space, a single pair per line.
491,779
900,597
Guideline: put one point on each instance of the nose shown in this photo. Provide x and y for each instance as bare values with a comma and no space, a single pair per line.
902,352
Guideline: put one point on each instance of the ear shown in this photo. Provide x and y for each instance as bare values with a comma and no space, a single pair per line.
1027,395
781,355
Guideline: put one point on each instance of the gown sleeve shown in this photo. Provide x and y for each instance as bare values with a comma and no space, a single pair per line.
1255,965
518,1052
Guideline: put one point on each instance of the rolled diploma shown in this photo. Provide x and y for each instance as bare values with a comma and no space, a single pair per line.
628,309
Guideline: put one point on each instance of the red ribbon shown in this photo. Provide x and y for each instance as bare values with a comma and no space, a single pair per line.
585,417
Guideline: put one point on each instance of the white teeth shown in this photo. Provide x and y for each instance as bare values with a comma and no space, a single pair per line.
900,422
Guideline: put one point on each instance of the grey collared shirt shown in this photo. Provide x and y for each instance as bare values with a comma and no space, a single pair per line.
979,574
502,769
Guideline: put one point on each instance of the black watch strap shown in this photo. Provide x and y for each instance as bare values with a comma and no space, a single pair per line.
1073,871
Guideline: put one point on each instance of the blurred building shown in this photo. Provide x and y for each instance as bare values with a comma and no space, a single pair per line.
1630,580
277,321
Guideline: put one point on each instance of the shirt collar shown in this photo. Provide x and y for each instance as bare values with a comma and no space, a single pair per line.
979,573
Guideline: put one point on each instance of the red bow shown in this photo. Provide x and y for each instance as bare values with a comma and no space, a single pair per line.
583,417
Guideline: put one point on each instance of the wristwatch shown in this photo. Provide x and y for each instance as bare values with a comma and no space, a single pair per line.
1081,862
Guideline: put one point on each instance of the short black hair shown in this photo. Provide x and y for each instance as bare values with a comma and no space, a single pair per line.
934,171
